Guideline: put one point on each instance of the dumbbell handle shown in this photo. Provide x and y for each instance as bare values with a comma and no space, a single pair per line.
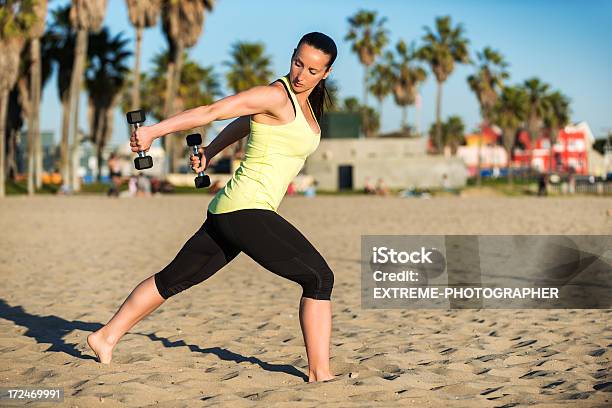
136,126
196,153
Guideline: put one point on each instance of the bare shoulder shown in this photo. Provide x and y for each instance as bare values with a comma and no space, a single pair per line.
277,92
276,99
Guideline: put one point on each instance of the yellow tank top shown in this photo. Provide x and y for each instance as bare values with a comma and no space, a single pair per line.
274,155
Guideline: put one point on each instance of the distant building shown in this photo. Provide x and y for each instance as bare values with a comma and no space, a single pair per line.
493,156
340,164
573,151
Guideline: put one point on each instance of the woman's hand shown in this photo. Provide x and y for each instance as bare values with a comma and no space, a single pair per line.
141,139
195,161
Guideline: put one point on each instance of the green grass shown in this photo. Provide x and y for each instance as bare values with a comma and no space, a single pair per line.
501,181
21,187
521,187
17,188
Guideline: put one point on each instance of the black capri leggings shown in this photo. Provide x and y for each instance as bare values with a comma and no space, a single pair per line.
263,235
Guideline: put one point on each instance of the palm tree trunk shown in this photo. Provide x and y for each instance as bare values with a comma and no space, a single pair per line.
380,111
553,138
478,154
106,133
364,109
168,107
33,126
178,69
136,72
11,162
438,118
3,108
509,168
529,167
31,160
38,158
65,140
508,145
404,117
75,92
99,140
99,162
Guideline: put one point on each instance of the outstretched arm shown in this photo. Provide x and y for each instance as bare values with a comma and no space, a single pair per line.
259,99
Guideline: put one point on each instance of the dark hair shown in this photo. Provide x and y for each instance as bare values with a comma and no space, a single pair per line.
325,44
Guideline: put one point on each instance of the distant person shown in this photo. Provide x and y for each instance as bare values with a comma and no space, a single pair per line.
291,189
368,187
282,119
311,190
542,183
381,187
572,183
114,169
144,185
133,186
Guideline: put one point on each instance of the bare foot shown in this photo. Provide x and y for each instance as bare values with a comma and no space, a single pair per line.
102,348
316,377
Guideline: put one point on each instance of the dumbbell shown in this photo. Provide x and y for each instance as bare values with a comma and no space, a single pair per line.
194,141
136,119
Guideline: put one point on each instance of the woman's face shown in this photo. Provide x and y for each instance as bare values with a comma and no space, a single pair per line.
308,66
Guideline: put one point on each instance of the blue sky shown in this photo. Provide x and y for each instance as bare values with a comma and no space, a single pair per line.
566,43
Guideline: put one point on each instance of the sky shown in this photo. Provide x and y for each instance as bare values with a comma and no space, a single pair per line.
566,43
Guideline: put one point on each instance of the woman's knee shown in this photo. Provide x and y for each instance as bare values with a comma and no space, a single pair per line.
321,282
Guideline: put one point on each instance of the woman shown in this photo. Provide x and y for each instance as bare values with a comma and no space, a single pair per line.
283,122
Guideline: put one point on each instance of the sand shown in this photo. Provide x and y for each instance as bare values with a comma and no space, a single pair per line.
68,263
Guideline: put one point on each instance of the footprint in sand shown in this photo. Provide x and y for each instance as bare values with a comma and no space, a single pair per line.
537,373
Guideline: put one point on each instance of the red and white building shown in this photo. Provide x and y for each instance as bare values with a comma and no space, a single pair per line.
570,152
573,150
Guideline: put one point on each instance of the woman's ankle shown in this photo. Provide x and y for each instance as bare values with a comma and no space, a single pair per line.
108,338
319,374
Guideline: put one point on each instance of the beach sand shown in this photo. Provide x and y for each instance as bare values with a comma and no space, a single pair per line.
68,263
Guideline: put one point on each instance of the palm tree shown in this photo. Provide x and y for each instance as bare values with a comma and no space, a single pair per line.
16,20
453,131
86,16
199,86
486,84
39,9
536,92
442,49
249,66
182,23
143,14
18,109
351,104
23,105
369,38
59,45
407,76
381,83
104,79
556,117
510,112
333,91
